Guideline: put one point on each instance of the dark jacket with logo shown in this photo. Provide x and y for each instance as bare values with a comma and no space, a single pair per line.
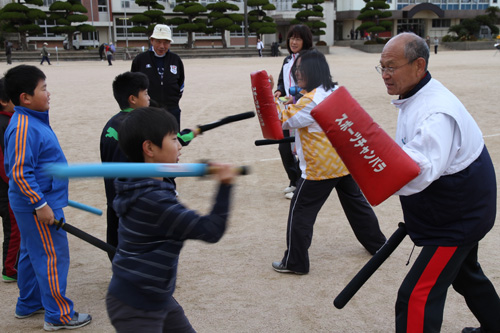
166,89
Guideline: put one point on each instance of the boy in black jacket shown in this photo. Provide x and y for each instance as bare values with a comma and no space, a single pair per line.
131,92
153,227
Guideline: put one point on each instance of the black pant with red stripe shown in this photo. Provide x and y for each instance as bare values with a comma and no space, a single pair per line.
421,297
11,241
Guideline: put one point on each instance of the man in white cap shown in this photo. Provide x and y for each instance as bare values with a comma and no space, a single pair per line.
164,70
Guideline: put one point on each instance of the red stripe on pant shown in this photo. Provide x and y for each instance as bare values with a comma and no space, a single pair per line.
419,295
13,247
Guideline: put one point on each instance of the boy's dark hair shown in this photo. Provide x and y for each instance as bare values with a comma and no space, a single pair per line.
144,124
3,93
314,67
126,84
22,79
300,31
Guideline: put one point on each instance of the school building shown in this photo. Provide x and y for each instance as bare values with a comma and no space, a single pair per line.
425,18
111,18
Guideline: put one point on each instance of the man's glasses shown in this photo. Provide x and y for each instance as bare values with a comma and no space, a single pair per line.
389,70
294,39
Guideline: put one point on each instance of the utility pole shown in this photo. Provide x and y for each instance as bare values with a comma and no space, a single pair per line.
245,10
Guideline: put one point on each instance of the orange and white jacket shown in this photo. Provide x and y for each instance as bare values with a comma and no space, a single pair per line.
318,159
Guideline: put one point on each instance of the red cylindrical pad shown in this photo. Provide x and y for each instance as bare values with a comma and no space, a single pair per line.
266,106
375,161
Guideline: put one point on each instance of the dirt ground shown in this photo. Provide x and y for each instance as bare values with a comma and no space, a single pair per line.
230,286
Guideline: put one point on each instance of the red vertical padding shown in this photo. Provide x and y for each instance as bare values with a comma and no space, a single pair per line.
375,161
265,106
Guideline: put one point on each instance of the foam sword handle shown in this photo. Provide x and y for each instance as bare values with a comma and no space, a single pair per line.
84,207
370,267
134,170
226,120
272,142
85,236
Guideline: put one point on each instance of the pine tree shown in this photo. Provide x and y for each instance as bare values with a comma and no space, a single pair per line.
16,17
65,13
310,15
190,22
259,21
146,21
373,16
221,19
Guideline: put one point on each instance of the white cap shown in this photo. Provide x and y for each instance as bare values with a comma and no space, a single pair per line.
162,31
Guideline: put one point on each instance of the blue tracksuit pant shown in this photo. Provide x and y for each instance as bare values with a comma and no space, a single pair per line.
43,269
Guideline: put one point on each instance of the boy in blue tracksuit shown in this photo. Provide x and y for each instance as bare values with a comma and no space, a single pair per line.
153,227
37,200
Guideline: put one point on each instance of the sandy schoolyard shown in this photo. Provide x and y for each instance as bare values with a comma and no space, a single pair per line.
230,286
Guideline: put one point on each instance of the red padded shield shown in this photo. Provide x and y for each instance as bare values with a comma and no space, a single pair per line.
265,106
375,161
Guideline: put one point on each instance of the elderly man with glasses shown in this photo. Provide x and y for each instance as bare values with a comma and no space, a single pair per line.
451,205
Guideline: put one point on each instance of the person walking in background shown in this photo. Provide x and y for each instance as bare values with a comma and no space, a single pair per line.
8,52
451,205
164,70
436,44
260,47
101,51
299,38
322,171
11,236
109,53
45,54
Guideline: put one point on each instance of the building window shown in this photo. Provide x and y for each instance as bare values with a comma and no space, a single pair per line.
123,25
46,25
126,4
441,23
47,3
102,6
241,33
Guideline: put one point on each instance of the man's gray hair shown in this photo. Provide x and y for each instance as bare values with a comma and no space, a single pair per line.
415,47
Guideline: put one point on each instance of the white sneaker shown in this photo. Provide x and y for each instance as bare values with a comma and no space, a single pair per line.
289,195
289,189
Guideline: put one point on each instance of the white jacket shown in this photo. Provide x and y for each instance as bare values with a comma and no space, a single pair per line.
438,133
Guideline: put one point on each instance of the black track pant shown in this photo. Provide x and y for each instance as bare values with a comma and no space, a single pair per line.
421,297
306,203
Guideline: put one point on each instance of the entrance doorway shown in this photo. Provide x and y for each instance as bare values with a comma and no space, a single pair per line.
416,26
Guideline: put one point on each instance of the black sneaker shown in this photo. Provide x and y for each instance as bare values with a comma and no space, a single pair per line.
20,316
78,320
472,330
280,268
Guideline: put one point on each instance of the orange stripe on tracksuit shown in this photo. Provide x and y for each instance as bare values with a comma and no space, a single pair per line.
20,148
52,274
427,280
